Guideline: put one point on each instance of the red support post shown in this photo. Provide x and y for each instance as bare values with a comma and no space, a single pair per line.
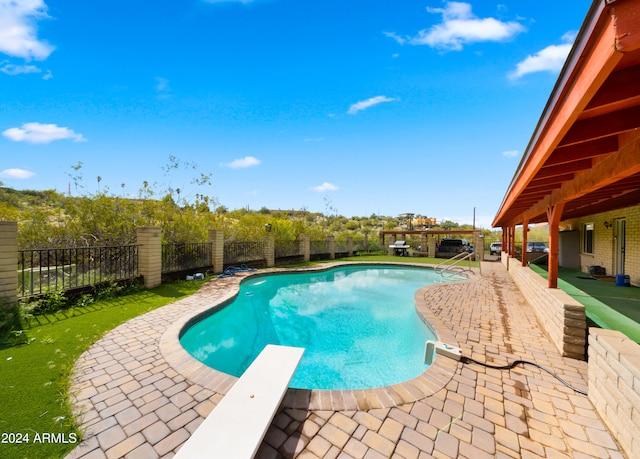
525,231
554,214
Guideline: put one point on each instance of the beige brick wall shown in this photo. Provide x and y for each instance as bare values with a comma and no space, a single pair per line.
603,243
9,262
305,246
150,255
563,318
331,242
614,385
270,251
216,238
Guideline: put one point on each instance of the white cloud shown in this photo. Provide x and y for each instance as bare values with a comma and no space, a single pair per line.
41,133
550,59
460,26
510,153
247,161
162,84
326,186
396,37
16,174
13,69
18,32
364,104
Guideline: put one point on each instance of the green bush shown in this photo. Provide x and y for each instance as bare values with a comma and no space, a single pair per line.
11,333
48,303
55,301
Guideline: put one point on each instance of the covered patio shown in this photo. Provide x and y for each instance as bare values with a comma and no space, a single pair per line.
580,173
584,155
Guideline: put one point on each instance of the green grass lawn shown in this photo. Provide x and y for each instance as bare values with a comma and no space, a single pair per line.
35,377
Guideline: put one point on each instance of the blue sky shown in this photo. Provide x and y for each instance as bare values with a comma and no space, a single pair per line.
352,106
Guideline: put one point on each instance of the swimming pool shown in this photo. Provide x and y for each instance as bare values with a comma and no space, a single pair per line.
358,325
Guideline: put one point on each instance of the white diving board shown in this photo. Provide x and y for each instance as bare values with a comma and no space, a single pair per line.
236,426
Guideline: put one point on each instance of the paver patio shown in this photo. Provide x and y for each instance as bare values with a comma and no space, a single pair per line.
137,398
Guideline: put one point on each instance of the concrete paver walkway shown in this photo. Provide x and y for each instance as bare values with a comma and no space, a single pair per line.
134,403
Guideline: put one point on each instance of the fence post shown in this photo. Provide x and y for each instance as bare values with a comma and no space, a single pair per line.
349,246
270,251
9,262
150,255
305,246
365,242
478,246
389,249
432,246
216,238
331,242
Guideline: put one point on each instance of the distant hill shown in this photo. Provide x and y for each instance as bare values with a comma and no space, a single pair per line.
26,199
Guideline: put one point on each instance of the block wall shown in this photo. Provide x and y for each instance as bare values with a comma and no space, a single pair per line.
563,318
614,385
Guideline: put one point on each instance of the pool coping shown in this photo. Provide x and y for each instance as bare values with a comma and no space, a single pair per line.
433,379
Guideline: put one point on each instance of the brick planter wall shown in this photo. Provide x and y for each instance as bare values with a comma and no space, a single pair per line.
614,385
563,318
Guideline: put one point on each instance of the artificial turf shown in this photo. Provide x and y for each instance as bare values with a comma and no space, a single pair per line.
608,305
35,413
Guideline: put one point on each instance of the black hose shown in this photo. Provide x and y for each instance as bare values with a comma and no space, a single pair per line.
511,365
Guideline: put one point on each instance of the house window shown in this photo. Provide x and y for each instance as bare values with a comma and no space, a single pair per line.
588,238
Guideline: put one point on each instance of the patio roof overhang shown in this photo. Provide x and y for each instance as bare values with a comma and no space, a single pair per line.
584,154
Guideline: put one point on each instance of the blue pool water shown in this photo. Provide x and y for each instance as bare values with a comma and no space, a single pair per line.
358,325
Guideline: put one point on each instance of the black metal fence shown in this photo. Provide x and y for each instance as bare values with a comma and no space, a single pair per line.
286,249
243,252
287,252
319,247
49,270
184,257
62,269
341,247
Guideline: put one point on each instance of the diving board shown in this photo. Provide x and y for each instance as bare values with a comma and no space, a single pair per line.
236,426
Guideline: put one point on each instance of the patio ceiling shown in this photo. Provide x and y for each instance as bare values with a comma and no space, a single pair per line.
585,150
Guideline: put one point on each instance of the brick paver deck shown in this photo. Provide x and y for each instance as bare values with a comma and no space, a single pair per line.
138,395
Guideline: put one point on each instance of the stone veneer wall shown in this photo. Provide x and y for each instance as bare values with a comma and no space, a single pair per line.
614,385
563,318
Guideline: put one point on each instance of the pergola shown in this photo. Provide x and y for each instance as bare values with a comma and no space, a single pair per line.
432,232
584,155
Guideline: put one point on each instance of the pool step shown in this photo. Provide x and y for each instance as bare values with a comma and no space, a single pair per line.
236,426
